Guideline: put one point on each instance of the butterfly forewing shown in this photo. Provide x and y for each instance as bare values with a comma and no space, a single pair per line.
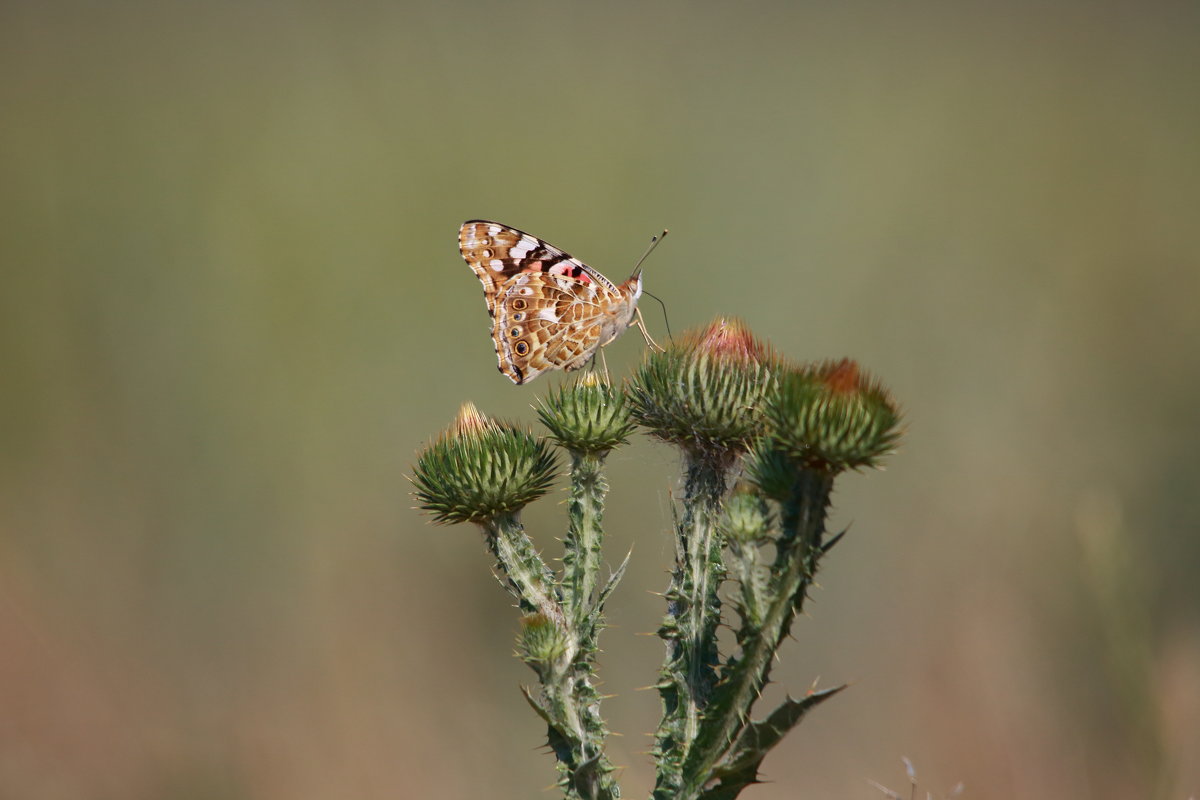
497,252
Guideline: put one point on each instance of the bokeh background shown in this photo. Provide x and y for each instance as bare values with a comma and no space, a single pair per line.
232,309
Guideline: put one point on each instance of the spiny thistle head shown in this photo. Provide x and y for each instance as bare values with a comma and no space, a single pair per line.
586,416
745,519
829,416
703,391
540,642
480,469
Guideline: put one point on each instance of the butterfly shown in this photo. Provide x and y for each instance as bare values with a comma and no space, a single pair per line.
549,310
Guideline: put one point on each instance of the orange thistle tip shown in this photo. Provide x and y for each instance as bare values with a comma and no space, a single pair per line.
840,377
729,337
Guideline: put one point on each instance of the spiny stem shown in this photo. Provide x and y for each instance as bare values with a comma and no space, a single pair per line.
526,575
584,533
567,700
693,613
799,549
582,561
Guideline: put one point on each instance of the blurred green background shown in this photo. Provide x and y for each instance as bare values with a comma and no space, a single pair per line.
233,308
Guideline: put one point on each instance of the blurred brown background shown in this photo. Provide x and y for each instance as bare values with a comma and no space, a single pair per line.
233,308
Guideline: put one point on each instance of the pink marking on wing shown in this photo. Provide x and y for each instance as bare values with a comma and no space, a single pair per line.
571,272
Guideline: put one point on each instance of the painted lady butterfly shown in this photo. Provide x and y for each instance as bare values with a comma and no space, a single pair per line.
549,310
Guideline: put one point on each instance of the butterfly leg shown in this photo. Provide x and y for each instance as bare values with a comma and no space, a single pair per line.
641,324
604,362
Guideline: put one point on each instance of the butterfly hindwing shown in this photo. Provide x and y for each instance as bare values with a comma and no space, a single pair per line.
545,321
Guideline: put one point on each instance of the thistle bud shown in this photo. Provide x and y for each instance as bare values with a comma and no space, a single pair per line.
745,520
540,641
480,469
703,391
829,416
586,416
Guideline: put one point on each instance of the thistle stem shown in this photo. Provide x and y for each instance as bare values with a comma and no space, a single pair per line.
592,775
526,575
799,550
585,535
567,700
693,613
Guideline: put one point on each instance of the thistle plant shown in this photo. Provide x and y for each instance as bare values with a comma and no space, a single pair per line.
761,442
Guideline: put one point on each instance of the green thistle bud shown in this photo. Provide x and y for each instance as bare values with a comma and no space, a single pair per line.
829,416
541,642
745,519
586,416
480,469
704,391
771,469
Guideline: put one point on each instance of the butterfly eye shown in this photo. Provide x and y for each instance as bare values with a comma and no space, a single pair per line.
522,348
517,317
519,304
485,253
514,332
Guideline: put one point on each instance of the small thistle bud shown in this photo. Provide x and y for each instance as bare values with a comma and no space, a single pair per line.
771,469
586,416
703,392
832,416
480,469
540,641
745,520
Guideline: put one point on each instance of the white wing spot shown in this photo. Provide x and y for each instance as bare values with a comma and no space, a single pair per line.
522,248
496,264
547,314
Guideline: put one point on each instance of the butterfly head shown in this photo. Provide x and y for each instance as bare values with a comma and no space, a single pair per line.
634,285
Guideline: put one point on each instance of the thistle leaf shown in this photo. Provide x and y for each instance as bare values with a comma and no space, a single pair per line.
739,766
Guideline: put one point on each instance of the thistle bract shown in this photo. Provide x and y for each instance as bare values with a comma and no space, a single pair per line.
828,416
587,416
480,469
703,392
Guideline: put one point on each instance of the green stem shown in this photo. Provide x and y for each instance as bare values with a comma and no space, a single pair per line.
745,566
567,701
799,550
693,613
582,559
527,576
584,534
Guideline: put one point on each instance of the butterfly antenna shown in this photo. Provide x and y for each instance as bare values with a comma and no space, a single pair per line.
664,308
637,268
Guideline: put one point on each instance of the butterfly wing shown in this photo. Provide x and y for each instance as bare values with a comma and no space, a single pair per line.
497,253
547,321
